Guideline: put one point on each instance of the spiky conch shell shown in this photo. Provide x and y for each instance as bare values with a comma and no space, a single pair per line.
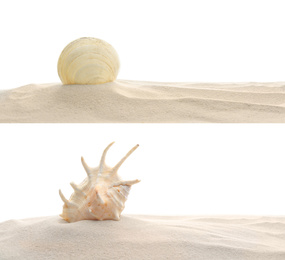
88,61
101,196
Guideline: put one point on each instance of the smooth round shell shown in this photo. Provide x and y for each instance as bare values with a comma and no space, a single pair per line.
88,61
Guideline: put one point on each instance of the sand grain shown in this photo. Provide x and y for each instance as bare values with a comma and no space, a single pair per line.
125,101
145,237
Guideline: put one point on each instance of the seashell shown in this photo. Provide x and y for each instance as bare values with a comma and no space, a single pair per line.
88,61
101,196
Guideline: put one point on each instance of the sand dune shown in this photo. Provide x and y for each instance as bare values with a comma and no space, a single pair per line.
145,102
145,237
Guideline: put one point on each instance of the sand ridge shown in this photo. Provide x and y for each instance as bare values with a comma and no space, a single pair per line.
145,237
124,101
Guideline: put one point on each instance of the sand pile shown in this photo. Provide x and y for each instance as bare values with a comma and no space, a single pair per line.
126,101
145,237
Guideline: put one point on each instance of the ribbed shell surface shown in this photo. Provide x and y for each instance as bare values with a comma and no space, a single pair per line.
88,61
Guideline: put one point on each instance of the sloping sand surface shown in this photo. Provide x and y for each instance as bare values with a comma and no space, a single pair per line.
145,237
145,102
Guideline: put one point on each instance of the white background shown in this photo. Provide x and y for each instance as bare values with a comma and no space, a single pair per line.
157,40
184,169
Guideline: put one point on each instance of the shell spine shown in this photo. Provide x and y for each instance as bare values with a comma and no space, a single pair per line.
101,196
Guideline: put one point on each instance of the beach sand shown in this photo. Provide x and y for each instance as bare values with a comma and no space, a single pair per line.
125,101
145,237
